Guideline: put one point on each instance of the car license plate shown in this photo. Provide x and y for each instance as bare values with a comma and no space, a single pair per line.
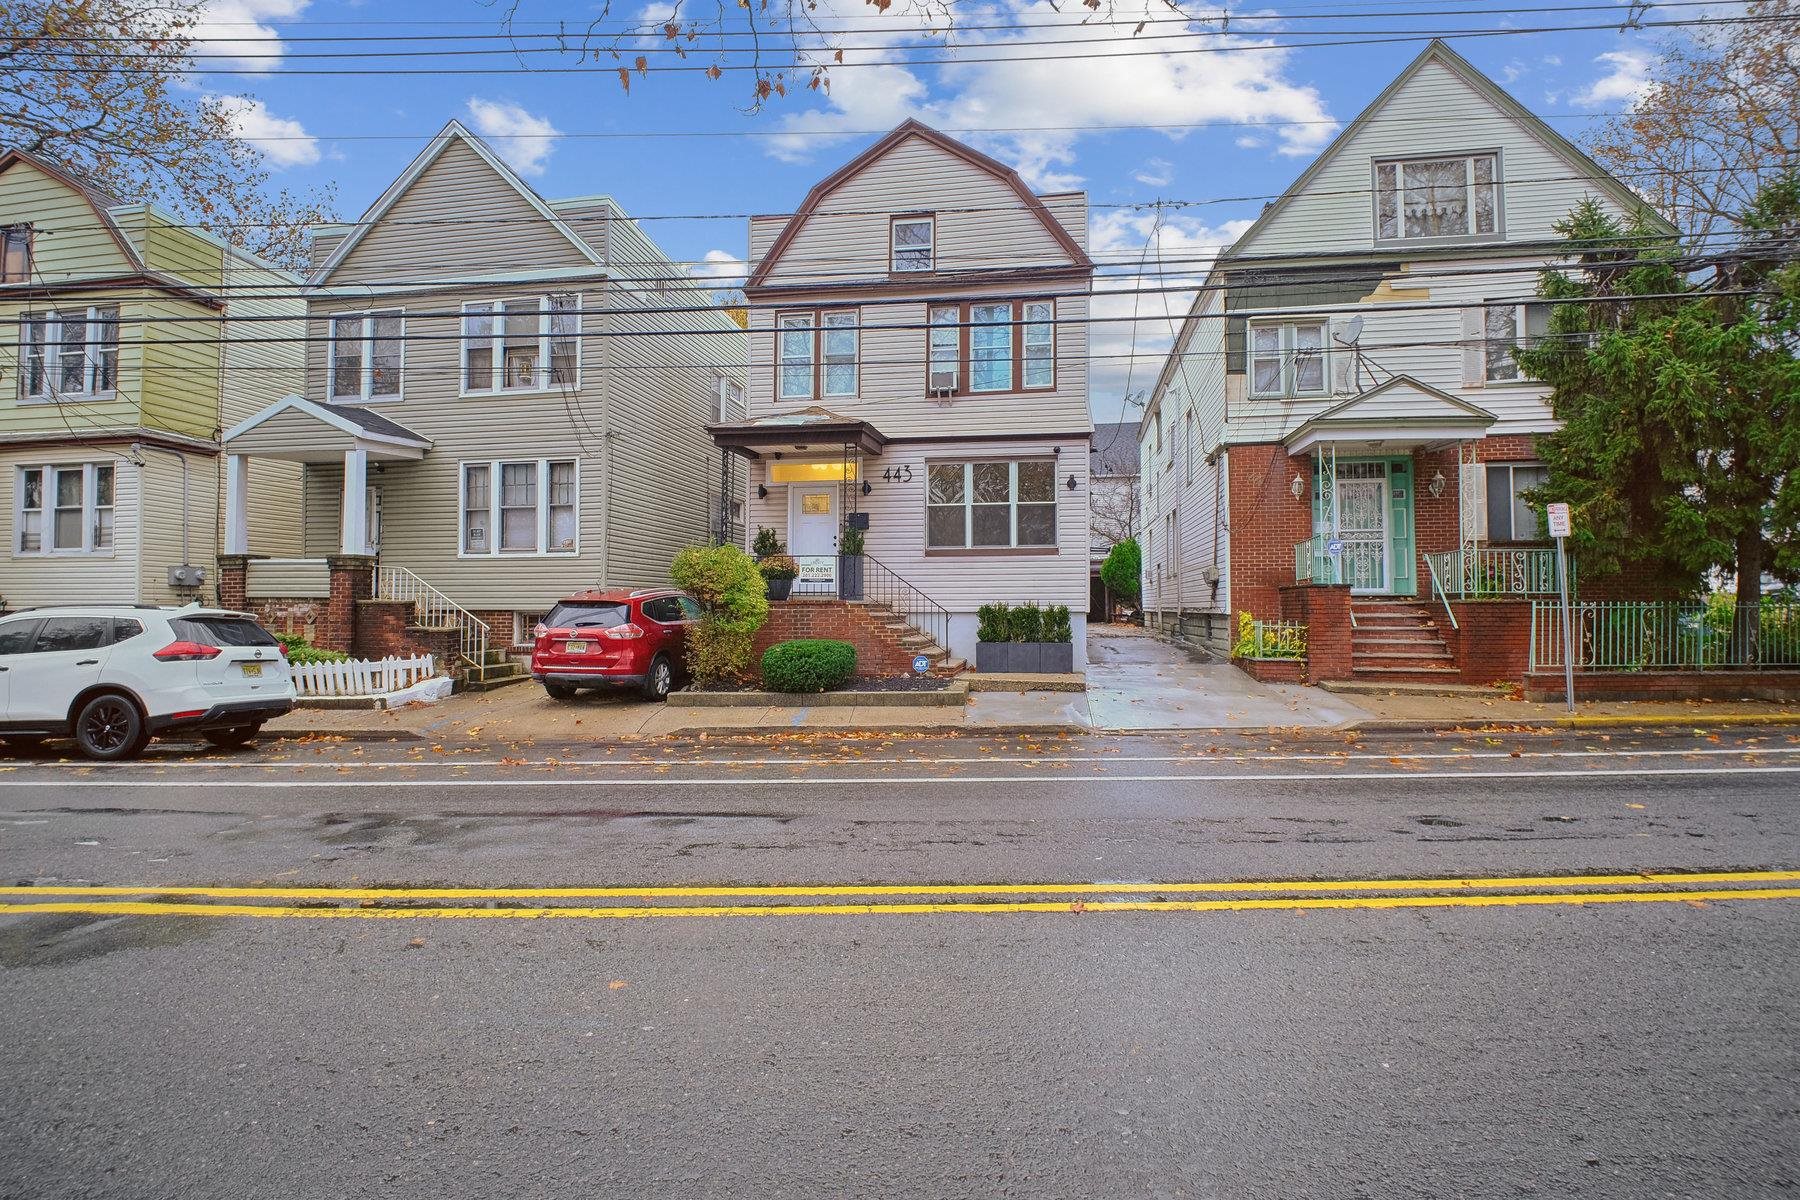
252,669
577,647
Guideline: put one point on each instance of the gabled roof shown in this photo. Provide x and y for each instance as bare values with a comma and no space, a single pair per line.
1113,450
355,421
1440,52
1400,409
452,133
101,202
911,128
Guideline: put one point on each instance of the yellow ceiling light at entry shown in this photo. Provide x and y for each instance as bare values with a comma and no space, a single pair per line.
813,472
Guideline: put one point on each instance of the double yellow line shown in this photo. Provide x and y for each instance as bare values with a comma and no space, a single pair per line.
829,899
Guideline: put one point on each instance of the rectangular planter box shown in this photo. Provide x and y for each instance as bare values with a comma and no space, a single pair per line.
1273,670
1035,658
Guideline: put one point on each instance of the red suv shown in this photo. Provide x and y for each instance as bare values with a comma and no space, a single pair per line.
614,638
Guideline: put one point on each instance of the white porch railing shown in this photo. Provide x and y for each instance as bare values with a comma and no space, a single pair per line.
433,608
361,677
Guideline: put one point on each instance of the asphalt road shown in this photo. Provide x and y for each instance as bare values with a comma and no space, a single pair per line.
1157,966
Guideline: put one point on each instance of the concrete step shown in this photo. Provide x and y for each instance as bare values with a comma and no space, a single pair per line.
1381,657
1412,673
472,684
1424,637
1383,687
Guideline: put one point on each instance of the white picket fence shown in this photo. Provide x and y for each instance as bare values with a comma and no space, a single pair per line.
362,677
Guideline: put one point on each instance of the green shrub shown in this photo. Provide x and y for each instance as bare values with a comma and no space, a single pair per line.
992,623
1057,627
808,665
301,652
716,654
1026,622
735,602
778,566
766,542
851,542
1123,569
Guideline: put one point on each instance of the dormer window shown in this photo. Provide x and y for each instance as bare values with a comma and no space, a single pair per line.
15,254
1437,199
913,242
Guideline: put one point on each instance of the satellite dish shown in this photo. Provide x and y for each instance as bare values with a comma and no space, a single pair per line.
1352,332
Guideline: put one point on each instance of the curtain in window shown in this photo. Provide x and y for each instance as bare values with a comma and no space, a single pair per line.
1037,504
946,345
477,500
562,506
346,356
478,348
1309,359
103,506
1436,198
385,353
518,506
66,526
1265,360
519,342
31,514
944,505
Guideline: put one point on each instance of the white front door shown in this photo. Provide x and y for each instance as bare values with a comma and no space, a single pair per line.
813,535
1362,506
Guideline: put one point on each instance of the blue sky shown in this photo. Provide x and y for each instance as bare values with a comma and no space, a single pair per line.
1263,115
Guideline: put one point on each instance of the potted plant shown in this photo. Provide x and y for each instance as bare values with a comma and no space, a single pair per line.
1024,638
779,572
850,564
766,542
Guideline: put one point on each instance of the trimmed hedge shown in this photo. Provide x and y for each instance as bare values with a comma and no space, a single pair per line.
808,665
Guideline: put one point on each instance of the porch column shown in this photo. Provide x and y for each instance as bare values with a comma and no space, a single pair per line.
356,497
237,505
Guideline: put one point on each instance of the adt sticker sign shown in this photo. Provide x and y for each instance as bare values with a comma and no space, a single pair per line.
921,663
1557,517
1335,547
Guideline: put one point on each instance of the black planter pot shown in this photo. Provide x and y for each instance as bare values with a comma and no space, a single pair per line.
779,588
1031,658
850,577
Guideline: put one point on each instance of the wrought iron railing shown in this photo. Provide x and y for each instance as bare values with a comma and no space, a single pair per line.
1630,635
881,586
433,608
1488,571
1437,589
1313,563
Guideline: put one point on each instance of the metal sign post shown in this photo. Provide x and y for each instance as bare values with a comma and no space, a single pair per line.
1557,517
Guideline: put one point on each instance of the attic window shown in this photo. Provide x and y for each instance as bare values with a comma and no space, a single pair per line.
1427,199
15,254
913,239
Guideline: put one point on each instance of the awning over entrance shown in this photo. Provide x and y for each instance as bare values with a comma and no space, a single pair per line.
1400,414
806,431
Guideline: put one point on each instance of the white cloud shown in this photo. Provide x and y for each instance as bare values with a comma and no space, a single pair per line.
285,143
721,267
1157,172
524,140
1175,253
239,30
1142,85
1626,80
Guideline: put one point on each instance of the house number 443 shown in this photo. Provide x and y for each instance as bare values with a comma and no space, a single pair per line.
898,474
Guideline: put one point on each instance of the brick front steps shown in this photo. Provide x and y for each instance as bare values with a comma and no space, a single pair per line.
1397,641
885,643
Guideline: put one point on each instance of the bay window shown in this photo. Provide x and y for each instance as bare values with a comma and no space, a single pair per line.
990,504
1426,198
819,354
1287,358
70,353
64,509
528,506
530,344
368,355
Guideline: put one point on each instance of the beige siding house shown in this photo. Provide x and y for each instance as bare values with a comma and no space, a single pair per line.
133,341
918,348
505,400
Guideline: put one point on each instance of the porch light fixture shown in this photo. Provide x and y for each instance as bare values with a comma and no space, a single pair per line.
1298,487
1071,484
762,491
867,487
1436,486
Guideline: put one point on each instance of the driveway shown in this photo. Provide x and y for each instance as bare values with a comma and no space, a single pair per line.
1137,680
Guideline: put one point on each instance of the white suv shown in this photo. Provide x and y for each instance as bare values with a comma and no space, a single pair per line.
114,676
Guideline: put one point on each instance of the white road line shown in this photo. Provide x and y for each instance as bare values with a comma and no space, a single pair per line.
859,761
890,780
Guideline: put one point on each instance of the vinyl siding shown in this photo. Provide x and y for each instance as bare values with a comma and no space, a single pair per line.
289,578
71,243
181,367
167,515
27,580
259,372
75,415
513,237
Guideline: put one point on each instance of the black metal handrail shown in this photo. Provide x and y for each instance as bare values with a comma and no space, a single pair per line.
880,585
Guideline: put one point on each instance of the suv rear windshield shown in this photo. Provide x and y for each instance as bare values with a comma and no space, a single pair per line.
587,616
221,631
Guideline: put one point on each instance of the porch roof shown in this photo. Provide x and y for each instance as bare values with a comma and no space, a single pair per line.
303,430
1399,414
801,431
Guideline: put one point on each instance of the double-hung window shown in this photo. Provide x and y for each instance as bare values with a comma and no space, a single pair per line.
368,355
70,353
520,507
15,254
1008,345
530,344
1506,327
65,509
1422,199
1509,517
945,370
819,354
990,348
1287,358
913,248
990,504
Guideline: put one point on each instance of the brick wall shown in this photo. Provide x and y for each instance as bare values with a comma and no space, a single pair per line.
1266,522
384,628
352,579
1492,640
1669,685
234,579
1325,611
879,653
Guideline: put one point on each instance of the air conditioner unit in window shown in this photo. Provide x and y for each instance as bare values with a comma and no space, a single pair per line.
942,383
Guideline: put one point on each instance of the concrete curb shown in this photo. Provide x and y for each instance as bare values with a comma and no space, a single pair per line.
953,696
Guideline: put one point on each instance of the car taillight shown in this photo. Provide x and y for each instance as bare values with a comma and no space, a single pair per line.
623,633
186,652
283,648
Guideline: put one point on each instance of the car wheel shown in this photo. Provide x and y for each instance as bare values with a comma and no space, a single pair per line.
661,679
109,727
559,691
231,739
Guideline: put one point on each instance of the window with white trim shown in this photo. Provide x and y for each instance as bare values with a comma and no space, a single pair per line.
1288,358
913,239
990,505
529,344
69,353
15,254
528,506
1509,517
368,355
1423,199
840,350
1507,327
1037,338
729,400
819,354
944,370
64,509
1192,448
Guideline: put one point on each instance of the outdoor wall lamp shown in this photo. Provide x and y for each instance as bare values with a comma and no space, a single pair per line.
1298,487
1071,484
762,491
867,487
1436,486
